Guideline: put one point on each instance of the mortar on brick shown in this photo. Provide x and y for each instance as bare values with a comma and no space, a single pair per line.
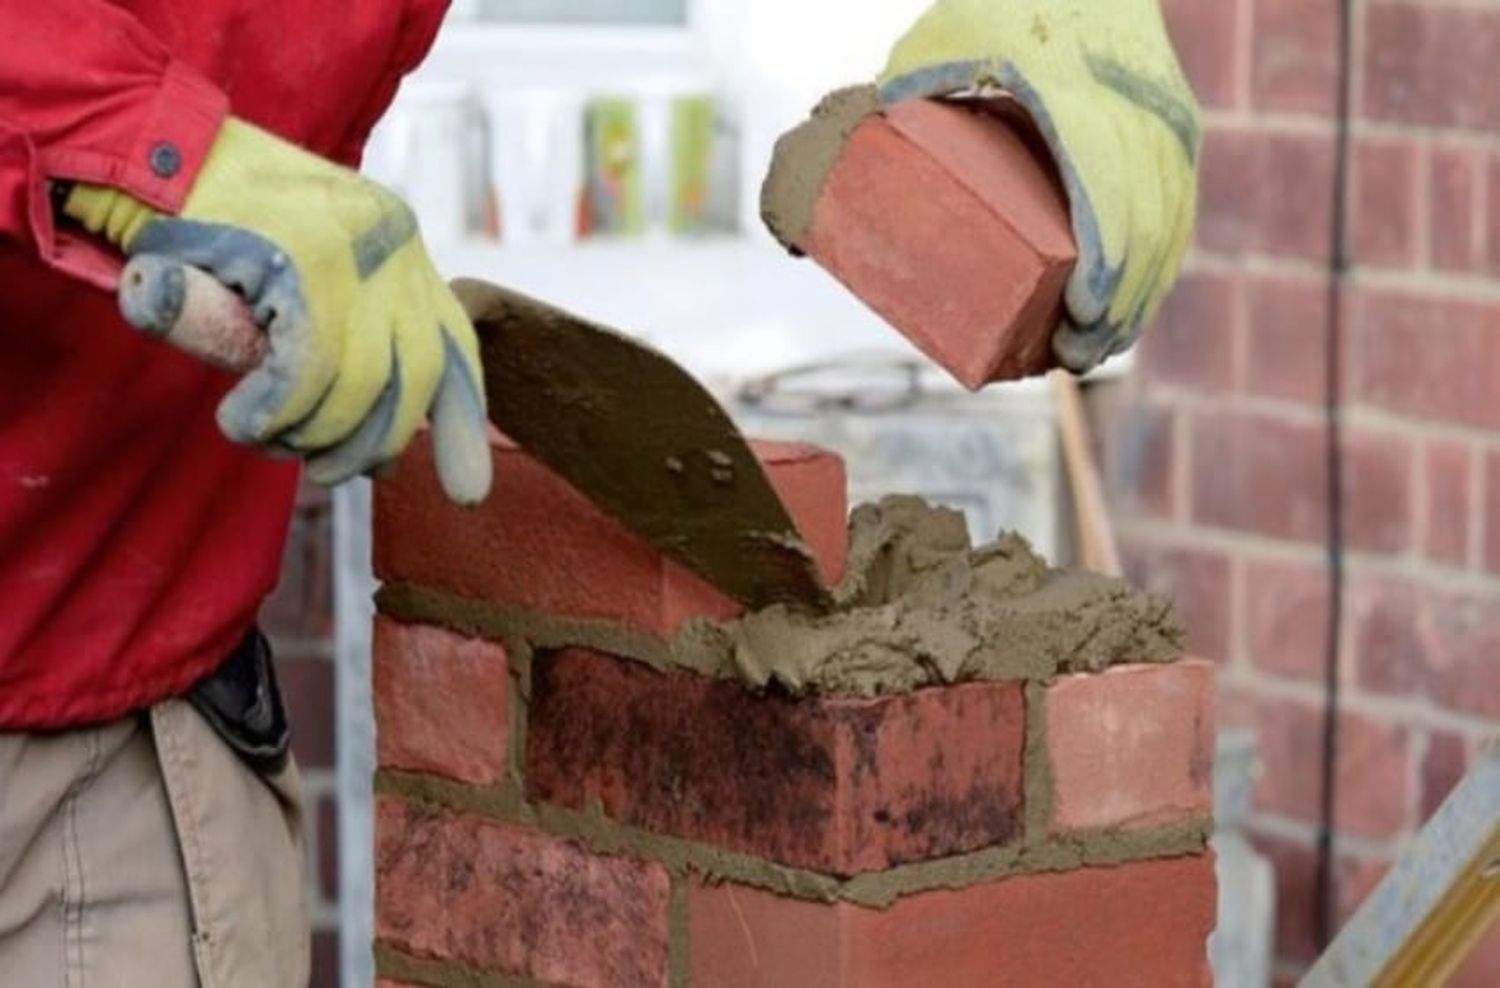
803,158
922,607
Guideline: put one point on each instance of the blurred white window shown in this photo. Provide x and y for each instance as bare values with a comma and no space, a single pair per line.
611,13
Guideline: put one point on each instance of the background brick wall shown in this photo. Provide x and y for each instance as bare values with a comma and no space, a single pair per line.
1215,449
299,620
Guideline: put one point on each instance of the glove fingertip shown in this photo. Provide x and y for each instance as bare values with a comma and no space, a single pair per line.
460,435
1081,347
245,413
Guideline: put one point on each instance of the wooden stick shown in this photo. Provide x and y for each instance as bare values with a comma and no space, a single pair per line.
1097,549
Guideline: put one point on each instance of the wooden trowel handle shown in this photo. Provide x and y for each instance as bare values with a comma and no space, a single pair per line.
192,311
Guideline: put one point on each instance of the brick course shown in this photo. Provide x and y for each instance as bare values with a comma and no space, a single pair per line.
1078,927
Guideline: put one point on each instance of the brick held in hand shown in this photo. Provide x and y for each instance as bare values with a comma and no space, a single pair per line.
940,216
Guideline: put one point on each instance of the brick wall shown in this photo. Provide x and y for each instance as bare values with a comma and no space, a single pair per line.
1215,449
587,816
299,620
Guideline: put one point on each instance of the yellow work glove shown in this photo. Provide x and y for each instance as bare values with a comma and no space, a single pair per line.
1102,83
365,338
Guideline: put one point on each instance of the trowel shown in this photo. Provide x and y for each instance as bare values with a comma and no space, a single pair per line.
625,425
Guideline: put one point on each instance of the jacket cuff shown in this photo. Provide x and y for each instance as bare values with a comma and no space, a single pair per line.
157,165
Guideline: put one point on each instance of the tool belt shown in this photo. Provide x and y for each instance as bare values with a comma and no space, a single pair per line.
242,703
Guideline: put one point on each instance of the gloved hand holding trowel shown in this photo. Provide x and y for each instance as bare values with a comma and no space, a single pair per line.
136,545
364,337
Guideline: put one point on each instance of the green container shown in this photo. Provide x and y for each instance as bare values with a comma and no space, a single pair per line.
692,163
612,169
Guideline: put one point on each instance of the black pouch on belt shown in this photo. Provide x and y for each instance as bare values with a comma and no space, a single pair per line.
241,702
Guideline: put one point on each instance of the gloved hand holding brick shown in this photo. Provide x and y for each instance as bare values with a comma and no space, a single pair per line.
939,215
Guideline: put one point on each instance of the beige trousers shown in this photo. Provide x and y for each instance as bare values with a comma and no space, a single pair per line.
145,854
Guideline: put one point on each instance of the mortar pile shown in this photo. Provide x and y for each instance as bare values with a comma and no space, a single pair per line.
922,606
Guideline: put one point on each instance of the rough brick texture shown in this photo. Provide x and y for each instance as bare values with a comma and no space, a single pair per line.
1131,747
942,220
586,842
842,786
1421,373
1140,924
537,544
517,902
441,702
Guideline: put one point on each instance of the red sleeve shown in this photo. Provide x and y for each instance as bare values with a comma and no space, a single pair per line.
88,94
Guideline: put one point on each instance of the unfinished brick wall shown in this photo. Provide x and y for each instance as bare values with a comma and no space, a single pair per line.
1215,450
549,813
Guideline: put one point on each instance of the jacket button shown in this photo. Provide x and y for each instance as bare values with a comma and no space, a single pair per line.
166,160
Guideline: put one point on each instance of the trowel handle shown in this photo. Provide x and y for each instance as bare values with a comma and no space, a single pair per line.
192,311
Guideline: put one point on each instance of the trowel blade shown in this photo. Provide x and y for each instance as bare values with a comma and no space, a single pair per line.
640,437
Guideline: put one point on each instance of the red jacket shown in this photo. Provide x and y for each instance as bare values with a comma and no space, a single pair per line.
135,543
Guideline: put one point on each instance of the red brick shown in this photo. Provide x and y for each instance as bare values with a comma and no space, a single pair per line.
1464,639
1131,747
517,903
1419,65
1377,491
441,702
1391,637
1266,192
1191,343
307,687
1287,617
1428,356
1446,469
1457,222
1372,786
1424,641
1385,200
1079,927
1444,764
741,937
1204,35
1286,338
973,268
1197,581
1137,451
1293,44
1267,475
538,544
838,785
